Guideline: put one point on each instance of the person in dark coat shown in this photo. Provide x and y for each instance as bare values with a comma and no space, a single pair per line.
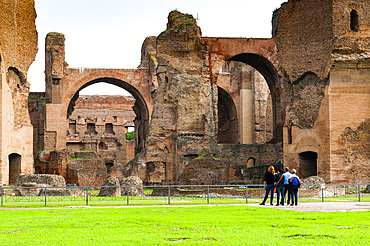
279,180
269,183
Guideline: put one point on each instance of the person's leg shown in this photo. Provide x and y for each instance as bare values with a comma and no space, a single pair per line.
268,188
272,194
285,192
282,196
278,190
296,195
291,191
265,198
289,194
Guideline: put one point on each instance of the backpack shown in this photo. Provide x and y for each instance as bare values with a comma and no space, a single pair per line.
295,181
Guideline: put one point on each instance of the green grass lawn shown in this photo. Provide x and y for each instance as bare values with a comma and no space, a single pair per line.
65,201
34,202
207,225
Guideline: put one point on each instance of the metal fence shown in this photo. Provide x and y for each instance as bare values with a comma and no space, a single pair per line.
171,194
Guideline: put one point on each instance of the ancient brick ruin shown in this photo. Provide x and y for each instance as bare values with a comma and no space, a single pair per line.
18,47
95,138
205,109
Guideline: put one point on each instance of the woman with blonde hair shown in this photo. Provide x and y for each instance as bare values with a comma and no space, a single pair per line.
269,183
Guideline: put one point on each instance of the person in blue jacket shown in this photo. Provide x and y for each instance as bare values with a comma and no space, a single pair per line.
295,183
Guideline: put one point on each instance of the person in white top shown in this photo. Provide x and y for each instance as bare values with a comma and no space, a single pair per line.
287,176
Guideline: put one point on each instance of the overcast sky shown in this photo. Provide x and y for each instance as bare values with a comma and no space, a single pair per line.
109,34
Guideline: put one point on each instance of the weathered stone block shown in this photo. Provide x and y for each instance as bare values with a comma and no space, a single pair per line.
110,191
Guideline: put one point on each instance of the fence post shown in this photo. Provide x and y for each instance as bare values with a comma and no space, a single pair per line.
2,194
207,193
128,194
246,194
359,193
169,195
322,194
45,196
87,195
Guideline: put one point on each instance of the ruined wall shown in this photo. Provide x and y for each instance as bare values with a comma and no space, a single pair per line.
18,47
316,139
316,69
83,168
63,85
315,38
304,39
183,120
261,154
350,112
304,34
235,77
350,92
233,165
36,108
210,170
100,124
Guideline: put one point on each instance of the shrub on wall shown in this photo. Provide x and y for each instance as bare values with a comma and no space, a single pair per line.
130,135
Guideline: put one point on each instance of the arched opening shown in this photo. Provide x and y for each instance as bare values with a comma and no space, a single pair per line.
308,164
354,21
103,146
251,162
15,161
227,118
251,81
99,121
271,78
108,165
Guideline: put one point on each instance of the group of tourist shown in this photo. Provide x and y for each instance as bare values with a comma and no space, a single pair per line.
281,183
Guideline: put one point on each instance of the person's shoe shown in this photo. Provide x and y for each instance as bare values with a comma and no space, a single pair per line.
277,204
282,204
291,204
271,204
262,203
296,204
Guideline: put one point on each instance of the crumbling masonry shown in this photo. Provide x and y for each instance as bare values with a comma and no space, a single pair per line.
208,109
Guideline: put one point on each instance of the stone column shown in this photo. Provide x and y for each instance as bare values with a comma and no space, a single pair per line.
247,108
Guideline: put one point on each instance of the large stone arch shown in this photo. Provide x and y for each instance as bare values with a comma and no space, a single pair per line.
135,81
130,82
261,55
140,108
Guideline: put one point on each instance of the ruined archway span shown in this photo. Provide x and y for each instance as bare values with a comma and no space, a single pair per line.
269,72
264,66
138,90
114,81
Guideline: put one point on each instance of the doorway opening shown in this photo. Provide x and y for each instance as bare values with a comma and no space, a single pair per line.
14,167
308,164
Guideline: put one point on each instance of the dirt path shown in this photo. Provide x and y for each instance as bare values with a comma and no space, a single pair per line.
302,207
